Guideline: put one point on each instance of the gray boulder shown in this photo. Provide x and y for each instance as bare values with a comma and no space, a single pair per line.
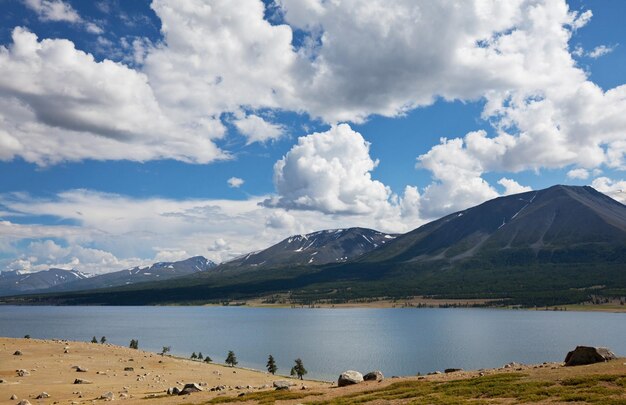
190,388
349,377
81,381
108,396
24,402
17,353
173,391
374,376
282,385
588,355
43,395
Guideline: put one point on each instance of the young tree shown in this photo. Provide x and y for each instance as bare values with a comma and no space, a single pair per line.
165,350
134,344
298,369
103,339
194,355
200,356
271,365
27,337
231,359
94,340
207,359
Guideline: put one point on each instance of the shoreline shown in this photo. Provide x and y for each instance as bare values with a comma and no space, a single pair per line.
137,376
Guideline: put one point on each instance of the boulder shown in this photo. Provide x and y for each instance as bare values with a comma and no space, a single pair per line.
80,369
189,388
282,385
129,369
588,355
22,373
374,376
81,381
13,397
349,377
24,402
43,395
173,391
17,353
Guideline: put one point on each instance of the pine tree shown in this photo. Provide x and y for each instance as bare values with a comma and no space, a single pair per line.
103,339
134,344
165,350
200,356
207,359
94,340
231,359
298,369
271,365
194,355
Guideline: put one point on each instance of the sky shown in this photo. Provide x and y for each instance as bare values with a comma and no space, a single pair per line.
154,130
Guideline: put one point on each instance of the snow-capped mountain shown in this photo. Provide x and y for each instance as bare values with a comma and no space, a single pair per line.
322,247
155,272
15,282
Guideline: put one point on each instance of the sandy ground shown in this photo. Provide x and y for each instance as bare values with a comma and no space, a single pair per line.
51,371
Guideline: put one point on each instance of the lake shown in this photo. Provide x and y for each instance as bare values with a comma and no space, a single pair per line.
329,341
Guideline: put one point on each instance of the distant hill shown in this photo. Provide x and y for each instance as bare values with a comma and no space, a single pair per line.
328,246
554,246
156,272
58,280
14,282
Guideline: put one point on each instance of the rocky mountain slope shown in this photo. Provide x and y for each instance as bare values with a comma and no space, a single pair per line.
14,282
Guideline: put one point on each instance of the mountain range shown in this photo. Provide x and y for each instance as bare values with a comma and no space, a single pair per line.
58,280
556,245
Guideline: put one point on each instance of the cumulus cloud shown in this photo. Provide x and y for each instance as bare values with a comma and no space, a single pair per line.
613,188
59,104
600,50
580,174
512,187
329,172
235,182
256,129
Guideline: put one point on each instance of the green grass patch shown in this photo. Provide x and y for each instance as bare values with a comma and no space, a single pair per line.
264,397
518,387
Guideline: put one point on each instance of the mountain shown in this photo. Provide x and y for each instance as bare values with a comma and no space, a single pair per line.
156,272
13,282
548,247
328,246
545,225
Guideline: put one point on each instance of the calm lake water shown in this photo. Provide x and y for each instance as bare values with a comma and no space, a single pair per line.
396,341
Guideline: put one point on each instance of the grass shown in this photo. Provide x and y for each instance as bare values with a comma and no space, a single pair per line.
497,388
264,397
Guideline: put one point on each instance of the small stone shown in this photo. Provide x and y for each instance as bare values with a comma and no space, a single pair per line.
22,373
123,395
108,396
43,395
81,381
241,394
13,397
17,353
24,402
129,369
481,374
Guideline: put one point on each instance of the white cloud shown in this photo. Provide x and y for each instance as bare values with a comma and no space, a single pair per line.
256,129
601,50
235,182
329,172
53,10
616,189
580,174
59,10
513,187
59,104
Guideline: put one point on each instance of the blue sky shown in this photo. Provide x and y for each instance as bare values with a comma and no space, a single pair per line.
139,131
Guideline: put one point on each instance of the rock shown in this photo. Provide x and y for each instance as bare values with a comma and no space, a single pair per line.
81,381
374,376
108,396
2,381
129,369
434,373
80,369
304,387
123,395
282,385
17,353
349,377
173,391
481,374
43,395
189,388
24,402
241,394
588,355
13,397
22,373
452,370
